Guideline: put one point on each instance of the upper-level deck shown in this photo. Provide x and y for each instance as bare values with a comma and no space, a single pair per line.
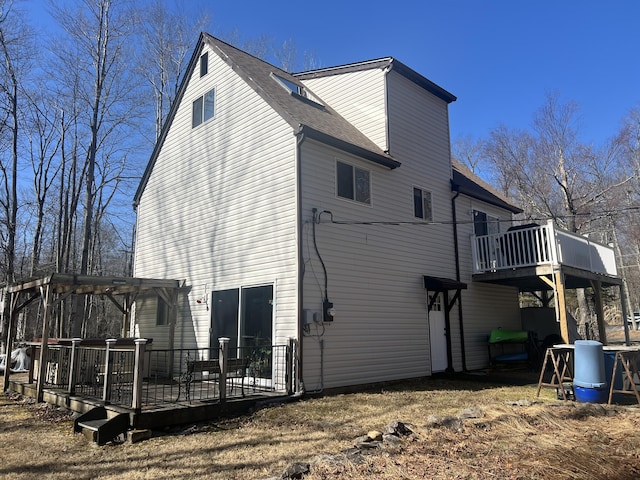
536,245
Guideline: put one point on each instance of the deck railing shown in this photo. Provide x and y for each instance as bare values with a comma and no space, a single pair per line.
137,377
196,374
539,245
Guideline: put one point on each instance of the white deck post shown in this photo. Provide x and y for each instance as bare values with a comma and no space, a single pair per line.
223,354
107,369
553,243
72,365
138,373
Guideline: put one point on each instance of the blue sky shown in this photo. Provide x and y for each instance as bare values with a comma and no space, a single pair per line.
499,57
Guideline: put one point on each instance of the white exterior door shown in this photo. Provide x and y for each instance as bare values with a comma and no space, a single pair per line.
437,336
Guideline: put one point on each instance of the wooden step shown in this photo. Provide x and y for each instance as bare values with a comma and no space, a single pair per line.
93,425
99,428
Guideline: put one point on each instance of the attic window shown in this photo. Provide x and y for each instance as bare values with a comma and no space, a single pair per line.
296,90
204,64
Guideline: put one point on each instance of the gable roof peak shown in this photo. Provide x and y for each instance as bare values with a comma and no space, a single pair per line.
306,114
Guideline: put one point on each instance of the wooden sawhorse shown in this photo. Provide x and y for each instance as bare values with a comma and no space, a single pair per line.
627,360
561,358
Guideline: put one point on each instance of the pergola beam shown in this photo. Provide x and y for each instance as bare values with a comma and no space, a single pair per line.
52,289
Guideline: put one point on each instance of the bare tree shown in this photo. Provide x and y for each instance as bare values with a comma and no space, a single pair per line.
286,55
469,152
167,39
626,223
14,44
100,86
14,38
548,171
552,174
44,142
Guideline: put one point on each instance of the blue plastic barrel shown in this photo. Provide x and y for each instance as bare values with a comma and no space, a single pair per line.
589,380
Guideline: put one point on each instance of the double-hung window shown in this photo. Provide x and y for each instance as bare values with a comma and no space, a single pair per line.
203,108
353,183
422,204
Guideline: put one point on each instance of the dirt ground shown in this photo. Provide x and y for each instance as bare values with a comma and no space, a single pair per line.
511,434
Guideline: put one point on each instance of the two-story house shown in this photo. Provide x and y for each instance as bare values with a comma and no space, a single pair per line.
320,207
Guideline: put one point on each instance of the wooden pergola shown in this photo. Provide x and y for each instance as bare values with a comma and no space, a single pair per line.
54,288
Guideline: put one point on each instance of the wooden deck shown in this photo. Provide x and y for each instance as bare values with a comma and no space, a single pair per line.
162,407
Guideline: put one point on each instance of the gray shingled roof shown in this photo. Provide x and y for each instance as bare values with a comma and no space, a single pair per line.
466,182
319,120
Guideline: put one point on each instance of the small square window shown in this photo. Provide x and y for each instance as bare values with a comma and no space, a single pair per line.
422,204
353,183
204,64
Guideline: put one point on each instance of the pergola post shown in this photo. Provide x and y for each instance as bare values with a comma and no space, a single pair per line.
10,334
45,291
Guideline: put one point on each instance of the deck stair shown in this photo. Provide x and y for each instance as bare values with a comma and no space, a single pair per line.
99,427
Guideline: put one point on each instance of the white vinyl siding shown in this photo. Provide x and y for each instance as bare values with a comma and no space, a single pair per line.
375,272
359,97
375,277
219,209
146,308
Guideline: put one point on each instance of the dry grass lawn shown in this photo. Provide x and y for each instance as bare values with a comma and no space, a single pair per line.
534,438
